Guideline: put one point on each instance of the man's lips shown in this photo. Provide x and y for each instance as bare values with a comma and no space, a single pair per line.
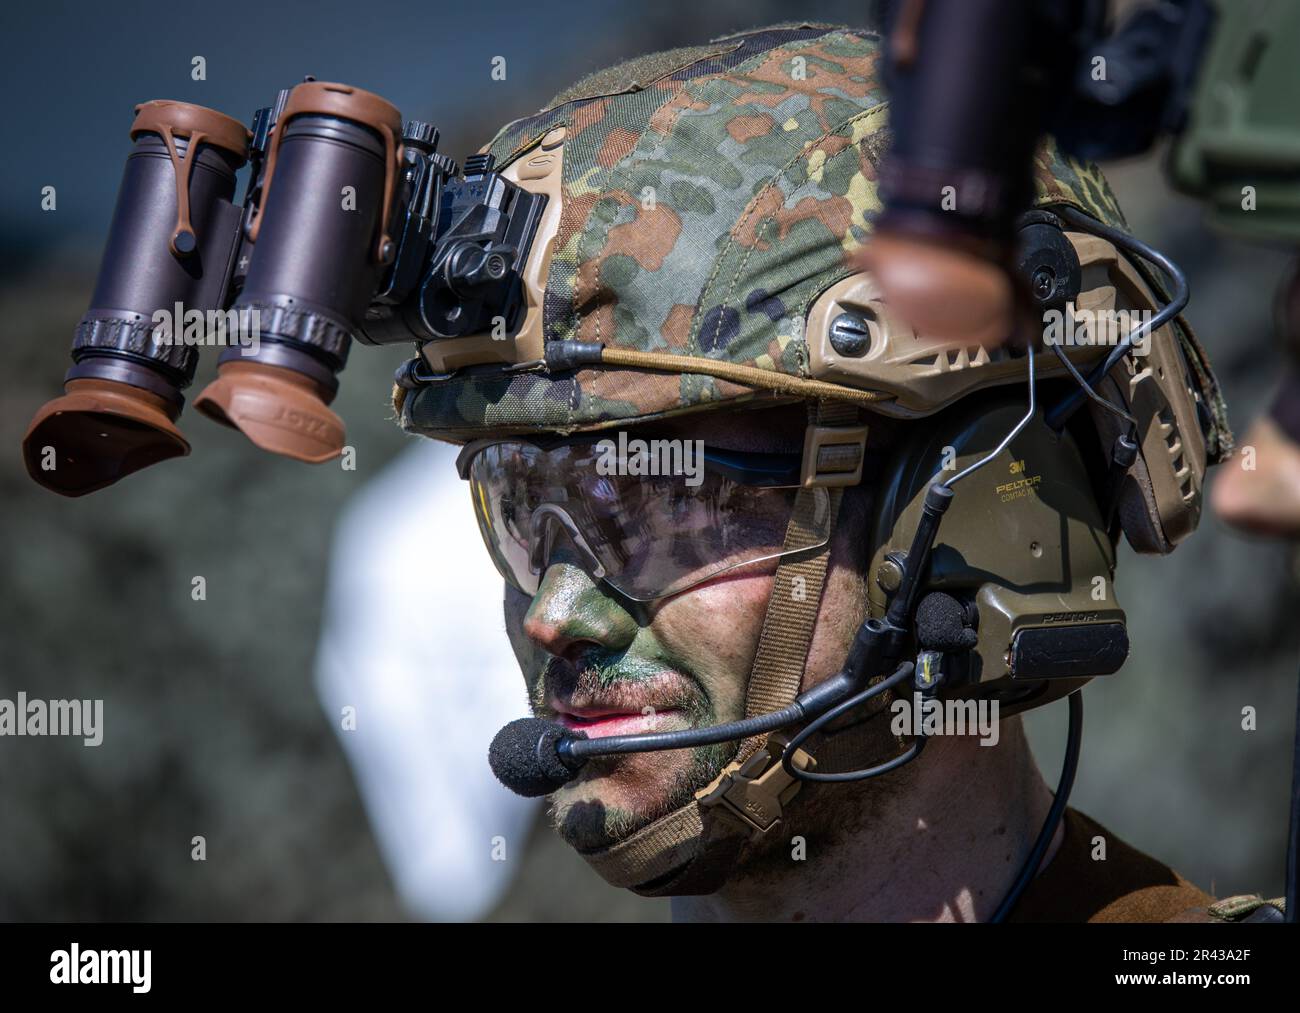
603,701
599,723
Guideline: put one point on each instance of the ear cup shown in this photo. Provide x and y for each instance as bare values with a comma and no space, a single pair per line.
1025,540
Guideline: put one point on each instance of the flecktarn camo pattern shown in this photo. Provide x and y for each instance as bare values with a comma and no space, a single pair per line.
710,195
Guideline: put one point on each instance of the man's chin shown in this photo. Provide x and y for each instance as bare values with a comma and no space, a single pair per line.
591,825
615,798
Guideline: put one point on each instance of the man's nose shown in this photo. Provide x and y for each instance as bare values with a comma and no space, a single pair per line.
569,611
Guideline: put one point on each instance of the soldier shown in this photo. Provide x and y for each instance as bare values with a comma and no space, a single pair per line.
692,287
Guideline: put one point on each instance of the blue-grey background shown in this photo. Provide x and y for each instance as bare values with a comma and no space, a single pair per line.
214,727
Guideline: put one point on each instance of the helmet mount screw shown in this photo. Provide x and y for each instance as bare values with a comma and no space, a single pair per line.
1043,283
850,334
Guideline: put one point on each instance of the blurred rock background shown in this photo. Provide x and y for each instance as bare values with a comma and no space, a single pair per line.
213,726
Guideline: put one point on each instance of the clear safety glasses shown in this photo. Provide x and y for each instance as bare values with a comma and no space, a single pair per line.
651,518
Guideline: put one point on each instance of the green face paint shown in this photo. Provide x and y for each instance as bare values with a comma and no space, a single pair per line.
583,656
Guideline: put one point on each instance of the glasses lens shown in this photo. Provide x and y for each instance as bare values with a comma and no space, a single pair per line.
649,536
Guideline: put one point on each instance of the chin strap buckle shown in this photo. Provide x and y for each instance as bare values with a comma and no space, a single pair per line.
756,790
833,455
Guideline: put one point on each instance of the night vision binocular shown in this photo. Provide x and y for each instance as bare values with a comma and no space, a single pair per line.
352,226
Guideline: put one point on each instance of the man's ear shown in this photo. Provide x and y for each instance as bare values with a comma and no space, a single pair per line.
855,523
852,554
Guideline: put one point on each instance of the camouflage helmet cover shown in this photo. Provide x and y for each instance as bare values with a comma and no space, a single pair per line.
710,194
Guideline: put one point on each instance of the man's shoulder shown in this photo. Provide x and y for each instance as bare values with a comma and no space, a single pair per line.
1096,876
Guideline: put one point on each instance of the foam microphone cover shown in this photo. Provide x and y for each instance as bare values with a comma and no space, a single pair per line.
523,757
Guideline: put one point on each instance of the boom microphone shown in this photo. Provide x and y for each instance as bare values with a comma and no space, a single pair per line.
533,757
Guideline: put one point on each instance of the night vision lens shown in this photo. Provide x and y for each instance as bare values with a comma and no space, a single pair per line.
169,246
320,244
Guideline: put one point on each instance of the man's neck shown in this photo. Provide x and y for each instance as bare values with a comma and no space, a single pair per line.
943,843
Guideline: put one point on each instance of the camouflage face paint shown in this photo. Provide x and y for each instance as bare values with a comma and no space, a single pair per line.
687,660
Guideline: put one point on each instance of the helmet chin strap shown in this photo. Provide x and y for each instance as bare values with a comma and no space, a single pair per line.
695,848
